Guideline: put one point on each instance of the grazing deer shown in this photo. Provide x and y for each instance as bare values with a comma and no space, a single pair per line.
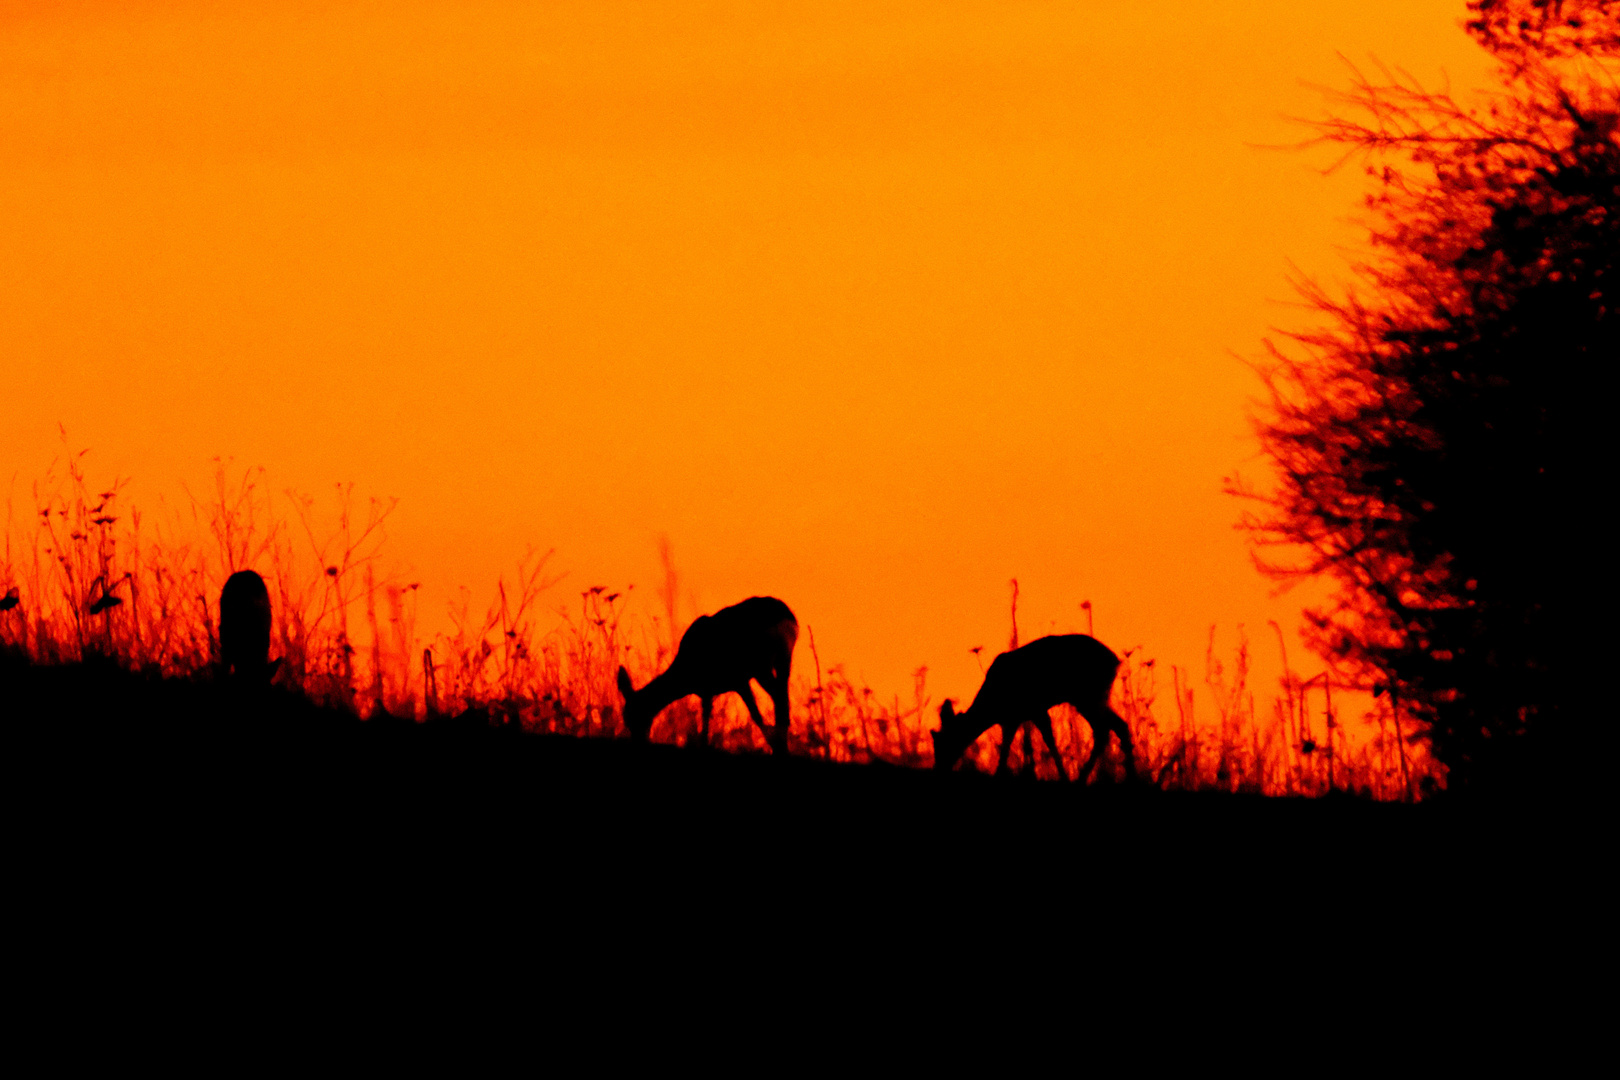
719,654
244,627
1023,684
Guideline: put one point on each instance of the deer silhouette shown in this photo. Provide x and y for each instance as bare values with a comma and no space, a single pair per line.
244,627
720,654
1023,684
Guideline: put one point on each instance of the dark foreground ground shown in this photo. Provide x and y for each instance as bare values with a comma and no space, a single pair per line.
197,796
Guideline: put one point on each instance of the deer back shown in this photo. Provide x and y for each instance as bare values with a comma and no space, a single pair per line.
750,640
1054,670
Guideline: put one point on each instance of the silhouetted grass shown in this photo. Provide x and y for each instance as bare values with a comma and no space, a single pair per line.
92,580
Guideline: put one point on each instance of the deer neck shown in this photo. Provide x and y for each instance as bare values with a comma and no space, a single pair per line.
662,691
964,730
971,723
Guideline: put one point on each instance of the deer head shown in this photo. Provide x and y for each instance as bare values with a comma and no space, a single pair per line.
638,716
951,738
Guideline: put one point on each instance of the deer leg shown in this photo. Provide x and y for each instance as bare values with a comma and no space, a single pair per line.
1044,726
1123,730
784,713
1008,733
746,692
775,735
1099,743
708,709
1103,720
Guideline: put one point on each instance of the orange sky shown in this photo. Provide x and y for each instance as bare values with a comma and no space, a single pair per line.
868,306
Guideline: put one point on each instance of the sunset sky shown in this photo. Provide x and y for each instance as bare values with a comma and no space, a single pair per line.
868,306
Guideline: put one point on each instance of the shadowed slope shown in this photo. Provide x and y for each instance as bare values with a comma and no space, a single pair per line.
211,769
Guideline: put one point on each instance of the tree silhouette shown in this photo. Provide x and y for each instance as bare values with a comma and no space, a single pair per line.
1428,437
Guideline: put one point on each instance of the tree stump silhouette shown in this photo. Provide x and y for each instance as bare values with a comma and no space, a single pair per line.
244,627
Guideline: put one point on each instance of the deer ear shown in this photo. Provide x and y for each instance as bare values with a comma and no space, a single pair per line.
626,688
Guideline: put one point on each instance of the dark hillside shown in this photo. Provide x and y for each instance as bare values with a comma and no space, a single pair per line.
142,782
